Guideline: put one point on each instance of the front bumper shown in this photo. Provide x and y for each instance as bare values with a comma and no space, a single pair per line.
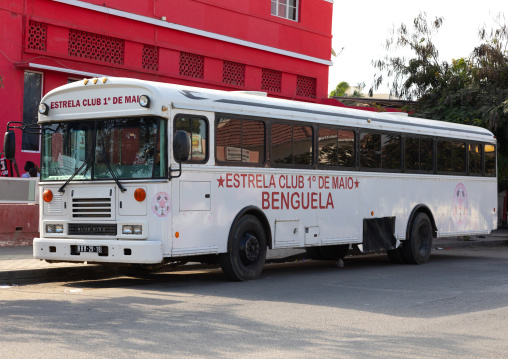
124,251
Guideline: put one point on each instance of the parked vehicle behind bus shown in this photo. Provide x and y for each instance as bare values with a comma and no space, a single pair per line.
138,172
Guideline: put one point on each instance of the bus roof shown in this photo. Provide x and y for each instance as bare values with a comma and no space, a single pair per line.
118,97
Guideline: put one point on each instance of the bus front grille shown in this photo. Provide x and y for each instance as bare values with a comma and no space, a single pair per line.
91,207
92,229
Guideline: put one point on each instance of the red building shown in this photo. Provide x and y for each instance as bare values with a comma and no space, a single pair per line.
281,47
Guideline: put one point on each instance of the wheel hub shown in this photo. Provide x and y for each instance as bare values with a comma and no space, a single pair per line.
249,248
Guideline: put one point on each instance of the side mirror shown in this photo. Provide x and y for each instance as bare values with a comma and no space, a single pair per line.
9,145
181,146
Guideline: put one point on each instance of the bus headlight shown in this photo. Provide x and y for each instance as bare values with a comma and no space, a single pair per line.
144,101
54,228
43,109
132,229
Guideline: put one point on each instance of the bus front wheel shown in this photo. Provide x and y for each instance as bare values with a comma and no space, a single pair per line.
416,248
247,254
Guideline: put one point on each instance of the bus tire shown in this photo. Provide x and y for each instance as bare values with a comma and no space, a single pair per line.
417,247
335,252
247,256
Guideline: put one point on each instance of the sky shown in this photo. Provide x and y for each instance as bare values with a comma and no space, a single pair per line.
360,30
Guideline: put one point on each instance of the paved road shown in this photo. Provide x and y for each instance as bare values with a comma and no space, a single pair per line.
455,306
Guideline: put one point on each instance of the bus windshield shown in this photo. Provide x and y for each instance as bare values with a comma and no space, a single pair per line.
132,148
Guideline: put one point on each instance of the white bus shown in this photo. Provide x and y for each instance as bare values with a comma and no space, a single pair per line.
140,172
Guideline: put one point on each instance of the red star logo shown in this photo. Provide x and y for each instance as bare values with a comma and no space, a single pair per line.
221,181
356,183
163,202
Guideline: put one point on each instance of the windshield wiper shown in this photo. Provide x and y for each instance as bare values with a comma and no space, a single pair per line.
106,161
85,162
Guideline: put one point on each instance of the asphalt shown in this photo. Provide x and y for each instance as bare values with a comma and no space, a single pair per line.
17,265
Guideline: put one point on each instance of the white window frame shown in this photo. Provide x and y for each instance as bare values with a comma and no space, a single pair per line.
287,7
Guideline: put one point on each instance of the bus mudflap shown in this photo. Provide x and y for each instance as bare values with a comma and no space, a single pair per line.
378,234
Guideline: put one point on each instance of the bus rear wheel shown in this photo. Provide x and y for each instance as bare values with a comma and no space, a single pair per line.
417,248
247,256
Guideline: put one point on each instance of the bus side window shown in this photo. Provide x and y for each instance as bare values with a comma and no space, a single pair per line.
475,159
451,156
336,147
419,154
490,160
197,129
426,154
241,141
370,150
380,151
390,152
291,144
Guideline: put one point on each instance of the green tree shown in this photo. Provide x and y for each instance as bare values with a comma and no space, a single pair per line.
340,90
470,90
411,77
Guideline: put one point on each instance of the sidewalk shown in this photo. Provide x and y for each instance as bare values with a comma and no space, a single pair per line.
18,266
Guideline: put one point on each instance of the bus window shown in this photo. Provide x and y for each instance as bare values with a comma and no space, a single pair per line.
475,159
490,160
240,140
291,144
426,154
336,147
418,154
197,129
65,147
128,146
370,150
380,151
451,156
412,153
390,152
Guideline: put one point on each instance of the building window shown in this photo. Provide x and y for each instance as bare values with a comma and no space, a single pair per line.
150,60
288,9
192,65
37,38
32,94
96,47
271,80
305,86
233,73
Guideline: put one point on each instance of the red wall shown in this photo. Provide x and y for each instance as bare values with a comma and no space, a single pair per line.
244,20
19,224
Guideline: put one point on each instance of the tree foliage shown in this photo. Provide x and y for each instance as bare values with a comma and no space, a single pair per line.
341,90
411,77
471,90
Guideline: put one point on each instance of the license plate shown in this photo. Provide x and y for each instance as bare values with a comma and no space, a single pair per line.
89,249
